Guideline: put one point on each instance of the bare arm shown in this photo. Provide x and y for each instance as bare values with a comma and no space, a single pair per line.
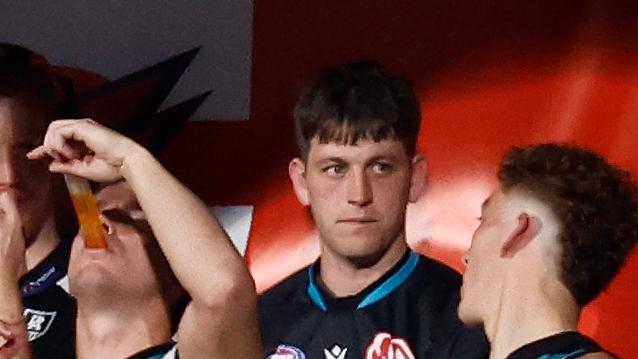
221,319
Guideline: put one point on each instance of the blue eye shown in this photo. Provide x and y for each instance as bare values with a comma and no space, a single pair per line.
381,168
335,170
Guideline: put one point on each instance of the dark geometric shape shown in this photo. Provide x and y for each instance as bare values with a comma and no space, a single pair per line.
168,122
127,104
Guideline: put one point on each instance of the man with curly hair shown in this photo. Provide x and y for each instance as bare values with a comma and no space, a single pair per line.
551,238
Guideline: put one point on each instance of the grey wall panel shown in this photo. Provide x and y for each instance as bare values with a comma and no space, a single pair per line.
114,38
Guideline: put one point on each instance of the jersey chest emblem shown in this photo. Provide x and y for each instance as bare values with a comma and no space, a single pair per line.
38,322
384,346
287,352
336,352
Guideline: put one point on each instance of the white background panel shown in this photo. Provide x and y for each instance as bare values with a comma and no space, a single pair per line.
236,220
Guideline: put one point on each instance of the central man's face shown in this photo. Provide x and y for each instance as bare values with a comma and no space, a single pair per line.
358,195
128,262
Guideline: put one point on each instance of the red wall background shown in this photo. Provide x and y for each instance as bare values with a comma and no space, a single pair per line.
489,73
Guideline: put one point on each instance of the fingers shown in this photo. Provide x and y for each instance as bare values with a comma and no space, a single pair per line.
60,133
37,153
42,152
90,168
84,148
58,138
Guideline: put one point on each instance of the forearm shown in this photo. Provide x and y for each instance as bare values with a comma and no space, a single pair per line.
199,251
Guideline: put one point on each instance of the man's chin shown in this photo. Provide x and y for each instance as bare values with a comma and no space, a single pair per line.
90,278
364,259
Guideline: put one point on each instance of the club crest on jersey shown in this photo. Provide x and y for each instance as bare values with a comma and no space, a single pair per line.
38,322
384,346
336,352
287,352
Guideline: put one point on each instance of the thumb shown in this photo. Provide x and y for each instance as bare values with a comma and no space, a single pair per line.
94,170
73,167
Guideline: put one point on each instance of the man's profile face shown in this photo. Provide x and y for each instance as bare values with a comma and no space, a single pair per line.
22,127
481,278
358,195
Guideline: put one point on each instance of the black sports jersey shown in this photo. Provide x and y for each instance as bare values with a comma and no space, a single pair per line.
567,345
410,312
49,311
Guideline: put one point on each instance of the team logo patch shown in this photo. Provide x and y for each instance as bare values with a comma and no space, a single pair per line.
335,353
38,322
384,346
287,352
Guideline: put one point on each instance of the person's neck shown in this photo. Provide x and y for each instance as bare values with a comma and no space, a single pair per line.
529,311
120,329
343,278
43,244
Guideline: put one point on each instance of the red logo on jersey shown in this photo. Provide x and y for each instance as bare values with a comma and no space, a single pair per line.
384,346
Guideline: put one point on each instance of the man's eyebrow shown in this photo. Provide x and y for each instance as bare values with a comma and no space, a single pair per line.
331,159
386,157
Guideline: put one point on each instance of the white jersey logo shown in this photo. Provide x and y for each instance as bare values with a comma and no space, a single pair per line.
38,322
335,353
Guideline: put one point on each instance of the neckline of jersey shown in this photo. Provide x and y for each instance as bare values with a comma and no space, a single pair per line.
374,293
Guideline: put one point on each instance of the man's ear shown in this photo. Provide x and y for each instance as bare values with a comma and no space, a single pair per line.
418,180
297,174
527,228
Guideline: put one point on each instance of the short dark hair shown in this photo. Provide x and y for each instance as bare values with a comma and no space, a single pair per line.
595,201
26,74
357,101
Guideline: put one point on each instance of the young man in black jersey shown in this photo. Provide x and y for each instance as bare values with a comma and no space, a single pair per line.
367,296
29,99
551,238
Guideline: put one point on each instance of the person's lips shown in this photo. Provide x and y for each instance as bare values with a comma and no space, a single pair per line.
357,220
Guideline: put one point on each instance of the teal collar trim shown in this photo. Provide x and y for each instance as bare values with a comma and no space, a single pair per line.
381,291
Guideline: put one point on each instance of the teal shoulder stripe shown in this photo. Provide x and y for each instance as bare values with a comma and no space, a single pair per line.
313,290
392,283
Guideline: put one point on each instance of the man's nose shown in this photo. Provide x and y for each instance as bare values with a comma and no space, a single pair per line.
359,188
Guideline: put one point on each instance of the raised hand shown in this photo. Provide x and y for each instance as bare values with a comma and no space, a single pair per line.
85,148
